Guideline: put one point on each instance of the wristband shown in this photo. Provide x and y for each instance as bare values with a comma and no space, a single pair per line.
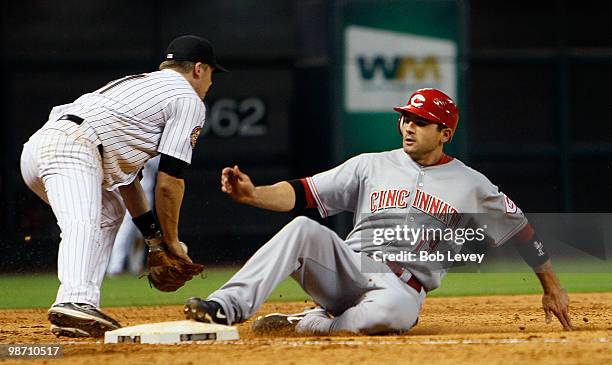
146,223
532,251
300,195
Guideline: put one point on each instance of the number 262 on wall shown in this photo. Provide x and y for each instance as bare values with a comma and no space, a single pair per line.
230,118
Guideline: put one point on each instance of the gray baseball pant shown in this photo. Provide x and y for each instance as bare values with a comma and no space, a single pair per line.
330,272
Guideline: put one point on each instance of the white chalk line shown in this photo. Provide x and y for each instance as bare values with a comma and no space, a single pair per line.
500,341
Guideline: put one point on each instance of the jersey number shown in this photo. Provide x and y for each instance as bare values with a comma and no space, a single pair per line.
112,84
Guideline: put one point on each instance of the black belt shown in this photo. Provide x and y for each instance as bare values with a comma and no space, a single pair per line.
400,271
72,118
78,121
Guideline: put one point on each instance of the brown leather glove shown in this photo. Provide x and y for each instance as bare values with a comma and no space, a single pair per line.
168,272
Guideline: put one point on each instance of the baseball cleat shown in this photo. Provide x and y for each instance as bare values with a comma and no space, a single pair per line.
68,332
279,321
204,311
79,319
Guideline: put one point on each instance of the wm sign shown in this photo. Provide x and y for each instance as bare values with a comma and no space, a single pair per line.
418,69
381,67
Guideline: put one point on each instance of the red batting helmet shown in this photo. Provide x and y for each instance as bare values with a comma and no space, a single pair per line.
433,105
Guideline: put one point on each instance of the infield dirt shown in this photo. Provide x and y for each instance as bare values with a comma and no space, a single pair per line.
460,330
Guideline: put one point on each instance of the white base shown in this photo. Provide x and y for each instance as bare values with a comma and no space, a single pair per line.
172,333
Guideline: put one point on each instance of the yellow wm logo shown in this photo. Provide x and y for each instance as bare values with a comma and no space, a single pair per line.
400,68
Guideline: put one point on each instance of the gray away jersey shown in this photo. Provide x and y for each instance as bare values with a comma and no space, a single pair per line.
136,118
388,189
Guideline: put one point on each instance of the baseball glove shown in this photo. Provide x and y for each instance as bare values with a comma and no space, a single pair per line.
168,272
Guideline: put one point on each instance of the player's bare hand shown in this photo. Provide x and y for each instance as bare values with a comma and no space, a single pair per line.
557,302
237,184
176,248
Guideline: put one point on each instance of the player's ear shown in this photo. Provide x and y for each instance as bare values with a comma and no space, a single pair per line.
197,69
447,135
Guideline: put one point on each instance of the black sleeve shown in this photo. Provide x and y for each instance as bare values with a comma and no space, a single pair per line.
172,166
300,195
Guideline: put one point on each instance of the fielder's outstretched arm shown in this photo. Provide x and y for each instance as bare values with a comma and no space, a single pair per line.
279,197
169,193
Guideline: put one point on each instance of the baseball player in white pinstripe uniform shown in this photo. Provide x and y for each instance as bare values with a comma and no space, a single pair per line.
84,163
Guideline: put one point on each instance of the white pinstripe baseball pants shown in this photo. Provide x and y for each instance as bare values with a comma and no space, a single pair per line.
65,170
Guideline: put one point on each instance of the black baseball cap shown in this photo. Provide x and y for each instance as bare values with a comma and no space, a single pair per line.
195,49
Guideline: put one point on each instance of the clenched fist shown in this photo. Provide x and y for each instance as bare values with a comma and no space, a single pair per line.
237,184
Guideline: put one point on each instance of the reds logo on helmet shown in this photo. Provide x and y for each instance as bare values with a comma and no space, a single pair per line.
433,105
417,100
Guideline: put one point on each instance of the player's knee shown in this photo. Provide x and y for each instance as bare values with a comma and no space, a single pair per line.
80,230
303,222
305,237
302,232
303,225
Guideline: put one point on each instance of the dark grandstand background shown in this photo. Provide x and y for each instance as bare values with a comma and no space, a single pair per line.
537,90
